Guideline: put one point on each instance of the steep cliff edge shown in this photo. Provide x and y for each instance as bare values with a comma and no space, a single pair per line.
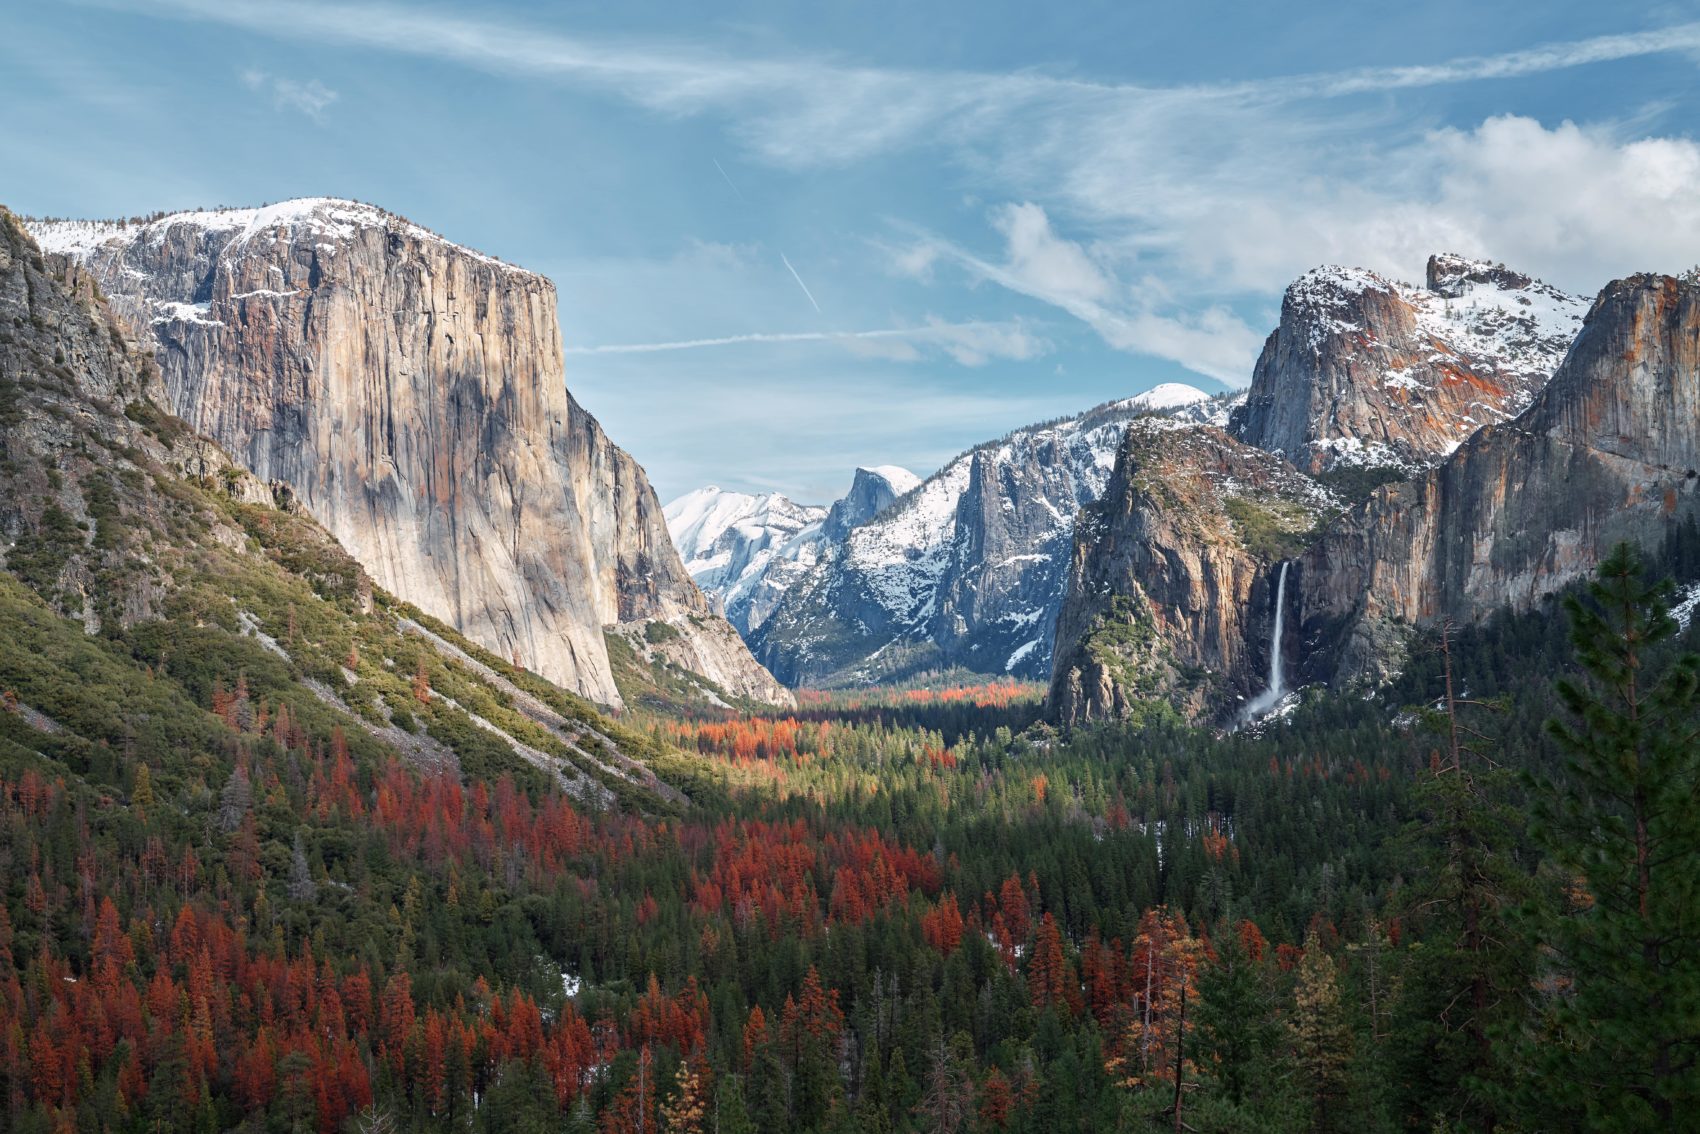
411,394
1367,372
872,491
1170,595
1608,451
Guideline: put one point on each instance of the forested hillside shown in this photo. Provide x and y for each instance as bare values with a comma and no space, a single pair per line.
279,853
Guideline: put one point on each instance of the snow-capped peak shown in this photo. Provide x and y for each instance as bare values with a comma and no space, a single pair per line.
900,479
697,520
333,217
1398,374
1168,396
743,548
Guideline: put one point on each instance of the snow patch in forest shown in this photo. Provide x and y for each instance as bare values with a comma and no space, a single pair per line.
1687,599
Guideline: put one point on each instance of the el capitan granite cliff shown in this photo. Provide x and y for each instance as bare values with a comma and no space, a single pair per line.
411,393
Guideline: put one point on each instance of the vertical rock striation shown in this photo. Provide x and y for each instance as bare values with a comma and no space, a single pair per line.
411,394
1170,594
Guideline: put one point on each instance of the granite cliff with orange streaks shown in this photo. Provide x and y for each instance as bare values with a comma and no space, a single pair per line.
1609,450
1365,371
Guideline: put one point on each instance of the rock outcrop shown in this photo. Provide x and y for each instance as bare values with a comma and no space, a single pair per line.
1608,451
410,393
1367,372
96,516
872,491
1170,595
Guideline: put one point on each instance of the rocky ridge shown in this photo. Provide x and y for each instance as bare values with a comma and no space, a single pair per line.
1364,371
1170,600
1609,450
747,550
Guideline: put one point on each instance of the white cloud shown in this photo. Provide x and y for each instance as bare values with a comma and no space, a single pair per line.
1573,197
1516,64
311,98
1576,205
974,344
1217,192
811,111
916,261
1059,270
1039,263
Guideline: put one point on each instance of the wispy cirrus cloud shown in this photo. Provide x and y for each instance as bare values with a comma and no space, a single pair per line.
1042,265
971,344
310,97
794,101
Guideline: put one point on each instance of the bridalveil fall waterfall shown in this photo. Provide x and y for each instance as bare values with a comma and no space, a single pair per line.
1271,696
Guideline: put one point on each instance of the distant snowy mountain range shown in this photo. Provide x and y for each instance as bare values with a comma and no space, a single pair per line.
747,550
965,568
1365,379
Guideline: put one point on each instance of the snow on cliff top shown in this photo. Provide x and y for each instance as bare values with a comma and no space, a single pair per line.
323,216
1487,313
697,519
901,554
900,479
1167,396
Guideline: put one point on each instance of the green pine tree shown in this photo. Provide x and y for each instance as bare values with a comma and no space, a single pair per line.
1235,1026
1321,1038
1623,1038
1459,987
730,1114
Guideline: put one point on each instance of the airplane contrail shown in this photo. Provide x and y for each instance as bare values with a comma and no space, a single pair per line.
801,284
733,340
932,331
727,179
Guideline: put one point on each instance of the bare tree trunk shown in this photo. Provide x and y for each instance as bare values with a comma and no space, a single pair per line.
1180,1050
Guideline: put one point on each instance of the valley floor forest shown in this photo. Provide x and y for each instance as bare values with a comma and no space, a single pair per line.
1467,902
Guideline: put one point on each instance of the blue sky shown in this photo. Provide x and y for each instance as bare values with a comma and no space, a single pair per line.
790,239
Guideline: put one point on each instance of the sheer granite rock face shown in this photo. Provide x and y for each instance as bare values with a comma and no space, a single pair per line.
411,393
1608,451
1171,593
1364,371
